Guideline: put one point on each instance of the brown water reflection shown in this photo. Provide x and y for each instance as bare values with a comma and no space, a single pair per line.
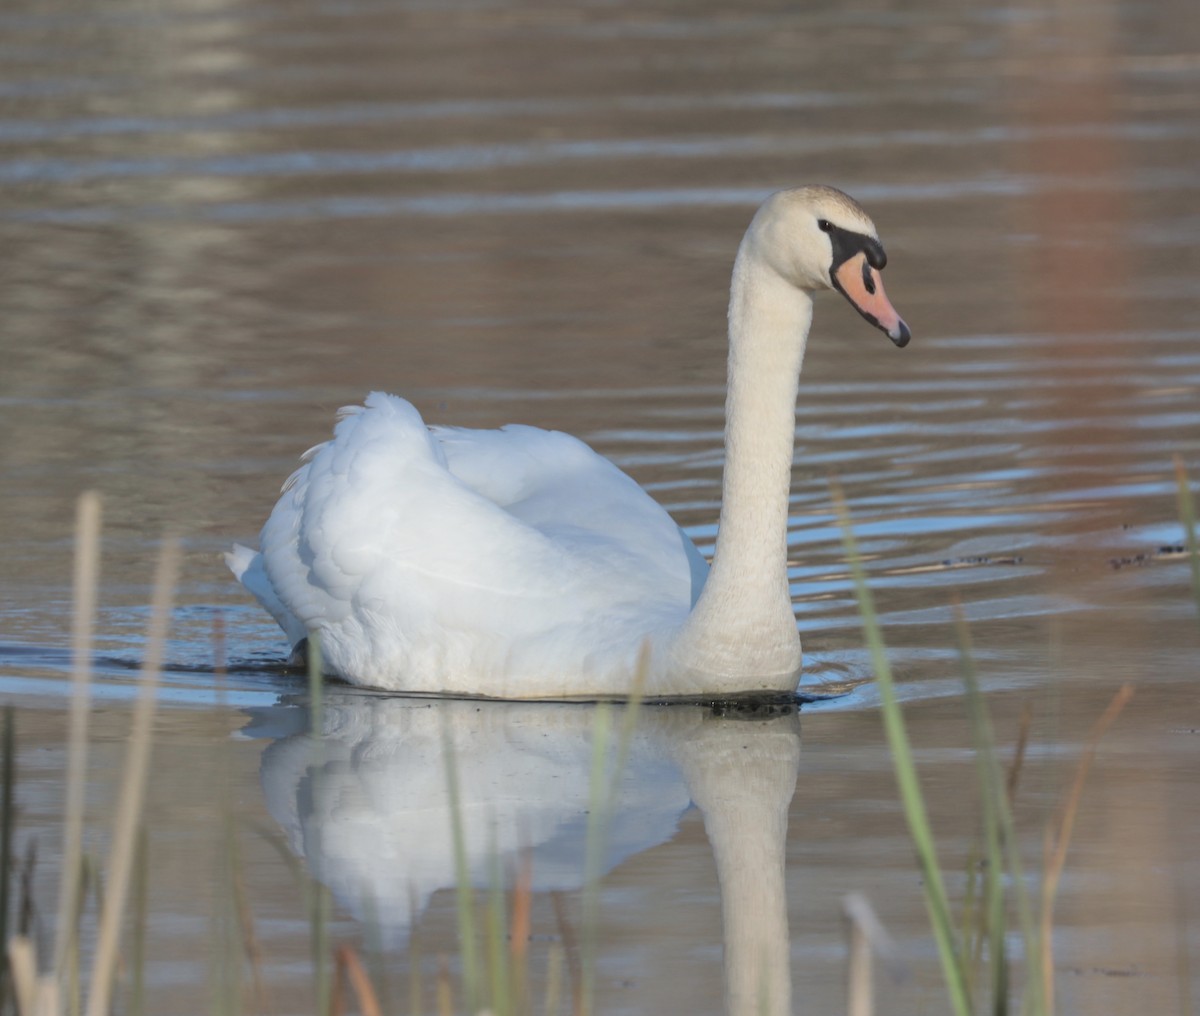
221,222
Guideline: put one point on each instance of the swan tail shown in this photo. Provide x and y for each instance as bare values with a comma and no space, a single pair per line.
247,567
239,559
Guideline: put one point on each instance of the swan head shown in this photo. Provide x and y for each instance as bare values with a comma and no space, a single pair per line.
819,238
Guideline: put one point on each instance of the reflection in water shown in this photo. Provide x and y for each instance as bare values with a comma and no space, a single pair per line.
366,806
1036,163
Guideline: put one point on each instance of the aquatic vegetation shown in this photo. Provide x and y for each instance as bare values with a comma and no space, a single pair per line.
906,779
1002,856
493,965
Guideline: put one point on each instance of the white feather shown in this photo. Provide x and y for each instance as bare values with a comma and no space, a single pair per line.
518,563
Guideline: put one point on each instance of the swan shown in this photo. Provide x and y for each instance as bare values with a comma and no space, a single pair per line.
518,563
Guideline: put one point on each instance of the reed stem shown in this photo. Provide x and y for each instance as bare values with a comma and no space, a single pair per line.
907,780
86,579
133,786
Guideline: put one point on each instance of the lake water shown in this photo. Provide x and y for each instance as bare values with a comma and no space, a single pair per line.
220,222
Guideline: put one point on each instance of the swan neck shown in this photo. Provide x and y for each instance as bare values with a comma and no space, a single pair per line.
768,329
743,620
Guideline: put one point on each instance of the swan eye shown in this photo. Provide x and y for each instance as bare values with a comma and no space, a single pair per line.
824,225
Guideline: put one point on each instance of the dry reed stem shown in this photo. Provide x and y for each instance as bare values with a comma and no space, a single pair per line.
249,937
554,969
445,999
1014,770
416,991
350,966
520,930
570,952
334,1007
22,963
860,989
522,904
133,785
1055,847
86,580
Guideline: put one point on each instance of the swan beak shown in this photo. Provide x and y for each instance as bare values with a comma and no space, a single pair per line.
862,285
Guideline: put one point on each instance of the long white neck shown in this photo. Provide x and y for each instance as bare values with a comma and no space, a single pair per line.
742,628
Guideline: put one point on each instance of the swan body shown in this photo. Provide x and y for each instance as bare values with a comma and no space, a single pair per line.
518,563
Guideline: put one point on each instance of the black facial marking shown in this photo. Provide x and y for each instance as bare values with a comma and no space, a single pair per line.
868,279
846,243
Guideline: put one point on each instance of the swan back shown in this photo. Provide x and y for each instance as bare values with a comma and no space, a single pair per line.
472,561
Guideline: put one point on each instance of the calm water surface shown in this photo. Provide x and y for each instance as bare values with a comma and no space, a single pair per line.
221,222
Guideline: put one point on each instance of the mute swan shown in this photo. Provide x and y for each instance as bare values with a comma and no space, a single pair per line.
518,563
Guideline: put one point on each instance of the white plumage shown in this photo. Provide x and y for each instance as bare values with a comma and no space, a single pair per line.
518,563
420,554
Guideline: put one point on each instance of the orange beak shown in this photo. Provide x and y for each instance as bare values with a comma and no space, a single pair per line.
862,285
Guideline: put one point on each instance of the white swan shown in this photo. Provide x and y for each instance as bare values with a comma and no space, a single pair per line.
518,563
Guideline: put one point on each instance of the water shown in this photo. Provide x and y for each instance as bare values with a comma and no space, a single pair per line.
223,222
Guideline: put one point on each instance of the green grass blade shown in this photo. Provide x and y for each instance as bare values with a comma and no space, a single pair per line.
1003,851
992,793
497,940
629,718
599,799
316,687
320,905
906,776
1187,515
464,896
974,897
416,992
603,788
7,816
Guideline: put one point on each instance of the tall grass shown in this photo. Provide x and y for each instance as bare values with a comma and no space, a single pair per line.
133,786
495,977
502,989
949,949
86,581
1001,846
43,993
1002,849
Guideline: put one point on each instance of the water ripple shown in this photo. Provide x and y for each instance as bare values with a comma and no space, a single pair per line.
444,205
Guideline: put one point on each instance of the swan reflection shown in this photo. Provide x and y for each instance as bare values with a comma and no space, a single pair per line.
367,806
